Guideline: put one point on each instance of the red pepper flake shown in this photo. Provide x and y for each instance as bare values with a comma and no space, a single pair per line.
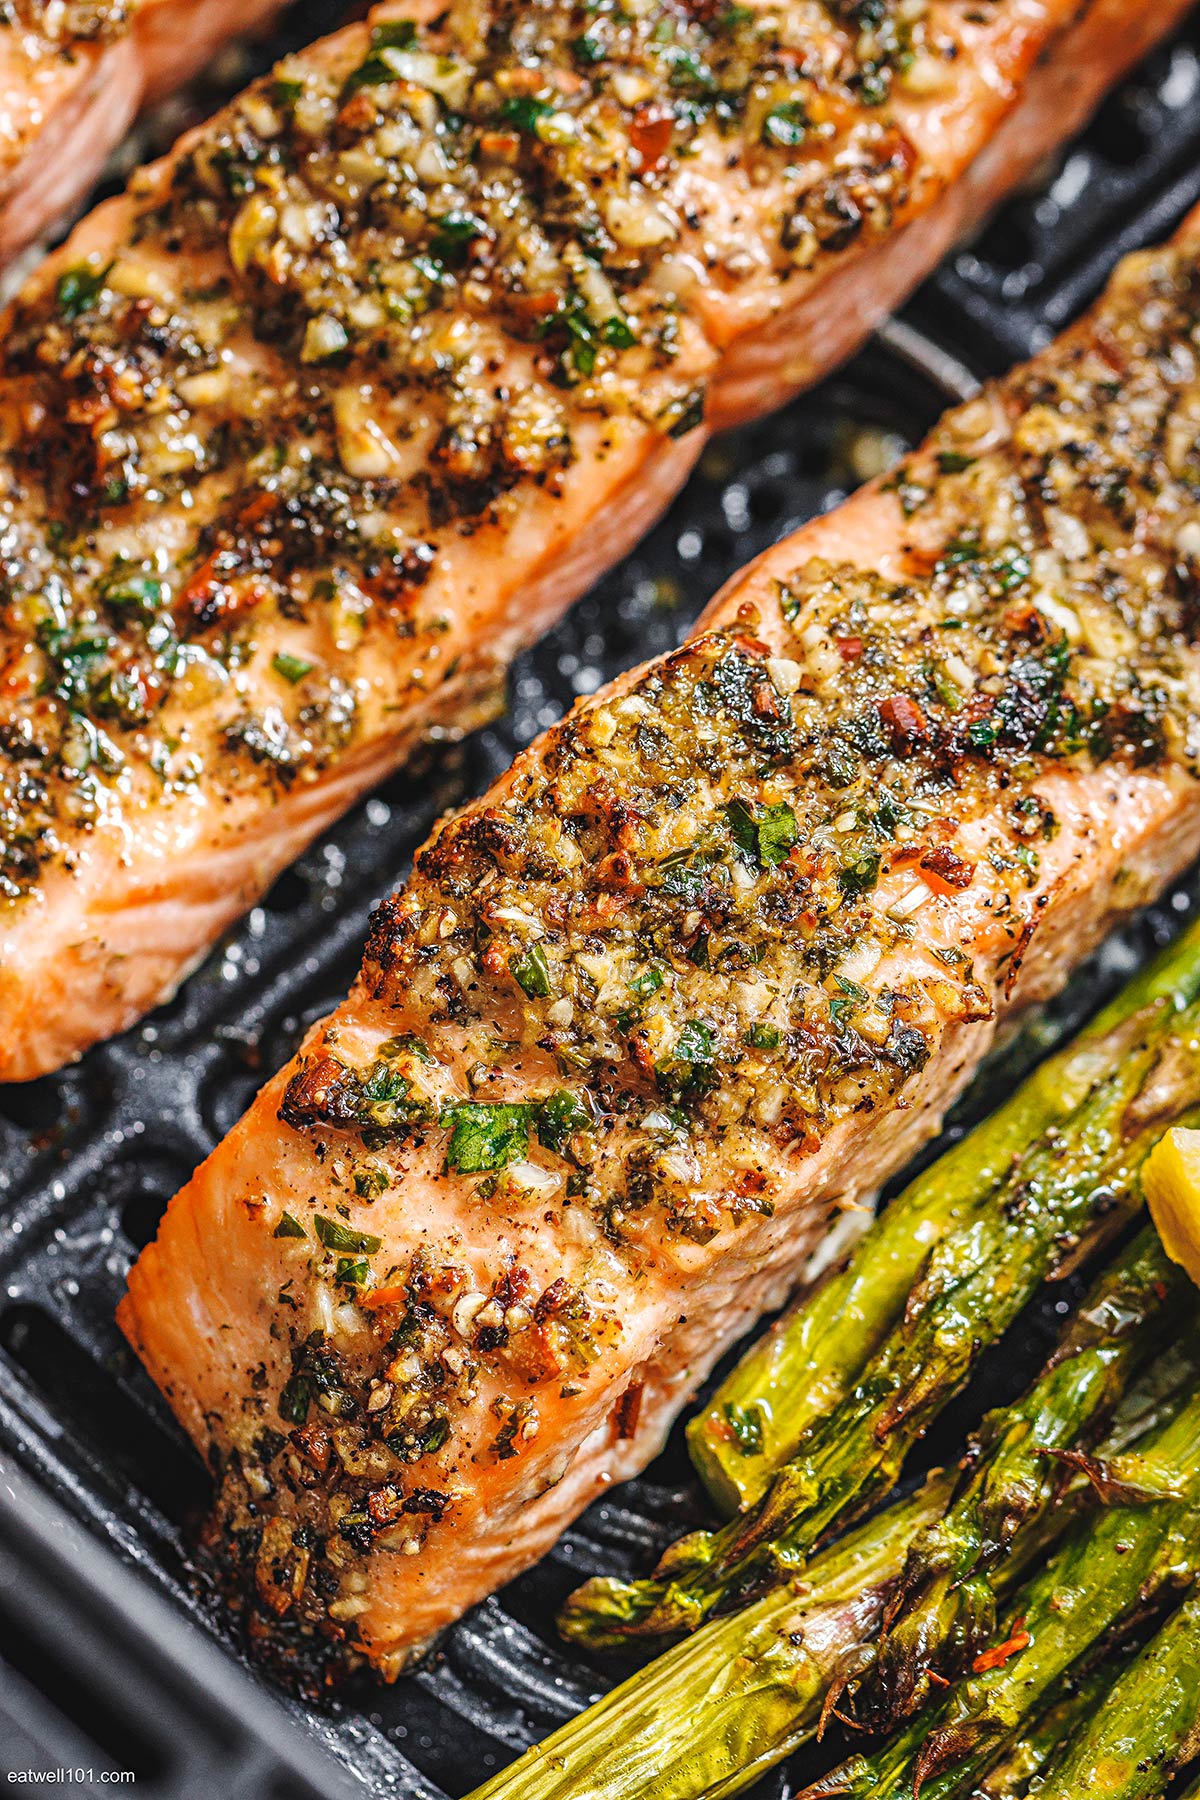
650,133
315,1445
1023,619
944,871
906,856
384,1505
905,720
849,648
618,872
394,1294
999,1654
552,1299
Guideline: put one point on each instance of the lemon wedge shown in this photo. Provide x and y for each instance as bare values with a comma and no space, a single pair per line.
1171,1181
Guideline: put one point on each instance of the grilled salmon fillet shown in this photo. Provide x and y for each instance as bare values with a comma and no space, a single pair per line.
352,394
707,965
73,78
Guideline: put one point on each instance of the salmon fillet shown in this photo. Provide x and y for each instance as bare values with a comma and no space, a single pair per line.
706,966
349,397
73,78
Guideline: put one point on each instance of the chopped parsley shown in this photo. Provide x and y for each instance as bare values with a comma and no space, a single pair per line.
531,972
859,876
337,1236
764,834
763,1037
691,1065
523,111
485,1136
291,668
786,125
559,1116
79,289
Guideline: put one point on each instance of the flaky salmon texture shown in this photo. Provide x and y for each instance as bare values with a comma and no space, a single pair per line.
706,967
349,397
73,76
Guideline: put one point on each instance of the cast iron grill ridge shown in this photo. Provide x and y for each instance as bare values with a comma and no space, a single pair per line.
99,1669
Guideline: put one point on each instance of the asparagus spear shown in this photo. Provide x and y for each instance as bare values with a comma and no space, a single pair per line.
708,1717
1068,1191
944,1610
796,1373
1147,1729
714,1713
1107,1568
1010,1775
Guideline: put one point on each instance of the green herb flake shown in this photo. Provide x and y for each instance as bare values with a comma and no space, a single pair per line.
289,1227
786,125
485,1136
376,69
680,416
407,1044
618,333
394,34
559,1116
859,876
454,234
336,1236
763,837
134,594
777,833
295,1399
79,289
746,1425
434,1435
763,1037
370,1182
523,111
291,668
531,972
696,1043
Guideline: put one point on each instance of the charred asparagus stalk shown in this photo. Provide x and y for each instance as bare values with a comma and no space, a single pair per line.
1067,1192
944,1610
1146,1729
794,1375
712,1714
1011,1774
708,1717
1108,1568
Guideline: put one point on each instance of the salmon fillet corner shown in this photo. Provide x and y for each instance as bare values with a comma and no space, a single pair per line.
73,79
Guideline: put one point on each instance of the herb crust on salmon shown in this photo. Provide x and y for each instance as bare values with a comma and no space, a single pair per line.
351,394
